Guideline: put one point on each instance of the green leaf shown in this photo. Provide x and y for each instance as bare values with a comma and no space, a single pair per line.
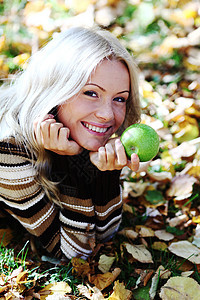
154,197
174,230
142,293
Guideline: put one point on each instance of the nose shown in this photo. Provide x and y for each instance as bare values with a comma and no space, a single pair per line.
105,112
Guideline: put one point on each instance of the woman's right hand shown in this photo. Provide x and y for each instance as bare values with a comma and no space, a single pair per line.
54,136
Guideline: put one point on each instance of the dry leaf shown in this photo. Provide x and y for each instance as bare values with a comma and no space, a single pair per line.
160,273
180,288
164,235
181,187
135,189
144,231
120,292
186,250
92,293
80,266
139,252
177,220
101,281
6,236
60,288
105,263
129,233
161,246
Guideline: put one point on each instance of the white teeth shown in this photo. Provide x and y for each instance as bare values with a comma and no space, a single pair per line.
94,128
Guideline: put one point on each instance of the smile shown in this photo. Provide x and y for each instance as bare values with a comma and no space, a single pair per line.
95,128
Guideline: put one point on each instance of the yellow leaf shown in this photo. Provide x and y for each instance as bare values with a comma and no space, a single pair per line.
161,246
180,288
21,59
105,263
101,281
22,277
120,292
80,6
60,288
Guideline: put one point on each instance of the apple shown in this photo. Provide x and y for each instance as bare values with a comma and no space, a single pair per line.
142,140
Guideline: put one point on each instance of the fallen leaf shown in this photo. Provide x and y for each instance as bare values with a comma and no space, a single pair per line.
61,288
80,266
164,235
181,187
6,236
180,288
105,263
120,292
92,293
139,252
186,250
161,246
144,231
129,233
101,281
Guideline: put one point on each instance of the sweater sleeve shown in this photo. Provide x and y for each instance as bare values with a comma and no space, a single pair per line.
23,198
107,199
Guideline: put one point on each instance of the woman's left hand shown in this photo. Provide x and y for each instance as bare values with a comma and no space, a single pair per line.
112,156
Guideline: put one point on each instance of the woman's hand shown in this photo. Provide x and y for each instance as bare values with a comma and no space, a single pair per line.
54,136
113,157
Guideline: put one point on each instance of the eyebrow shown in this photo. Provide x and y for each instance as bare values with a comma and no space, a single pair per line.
90,83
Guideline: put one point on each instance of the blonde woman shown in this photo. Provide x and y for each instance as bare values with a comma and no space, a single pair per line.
59,166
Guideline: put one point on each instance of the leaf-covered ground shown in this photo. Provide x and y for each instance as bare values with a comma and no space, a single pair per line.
156,254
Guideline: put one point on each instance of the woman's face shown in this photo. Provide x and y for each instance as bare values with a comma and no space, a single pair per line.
98,110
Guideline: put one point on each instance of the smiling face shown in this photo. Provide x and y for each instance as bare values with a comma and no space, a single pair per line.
99,109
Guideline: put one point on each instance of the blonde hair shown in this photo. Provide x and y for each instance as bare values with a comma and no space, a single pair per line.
54,74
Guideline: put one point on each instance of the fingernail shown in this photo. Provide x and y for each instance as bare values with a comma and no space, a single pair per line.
51,116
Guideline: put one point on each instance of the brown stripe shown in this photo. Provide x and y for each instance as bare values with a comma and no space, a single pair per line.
103,209
43,226
77,241
82,205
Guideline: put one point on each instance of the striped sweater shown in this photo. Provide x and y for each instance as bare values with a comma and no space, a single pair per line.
91,200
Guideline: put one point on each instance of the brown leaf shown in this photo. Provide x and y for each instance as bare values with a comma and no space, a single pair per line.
101,281
80,266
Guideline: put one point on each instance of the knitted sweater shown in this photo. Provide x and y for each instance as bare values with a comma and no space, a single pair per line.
91,200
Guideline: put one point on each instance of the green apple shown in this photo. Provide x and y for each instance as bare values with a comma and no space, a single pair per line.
142,140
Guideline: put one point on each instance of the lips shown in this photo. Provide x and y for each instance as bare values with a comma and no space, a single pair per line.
96,128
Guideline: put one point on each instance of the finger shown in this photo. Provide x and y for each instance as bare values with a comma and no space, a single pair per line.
120,152
102,158
134,163
45,131
71,147
110,156
54,130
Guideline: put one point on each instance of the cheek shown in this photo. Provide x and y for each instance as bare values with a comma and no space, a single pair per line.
120,116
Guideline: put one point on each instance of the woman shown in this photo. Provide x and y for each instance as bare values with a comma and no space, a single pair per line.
59,166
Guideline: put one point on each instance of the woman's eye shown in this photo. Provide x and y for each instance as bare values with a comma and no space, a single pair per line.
90,93
120,99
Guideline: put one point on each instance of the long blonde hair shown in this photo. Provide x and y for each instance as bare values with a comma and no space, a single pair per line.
54,74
